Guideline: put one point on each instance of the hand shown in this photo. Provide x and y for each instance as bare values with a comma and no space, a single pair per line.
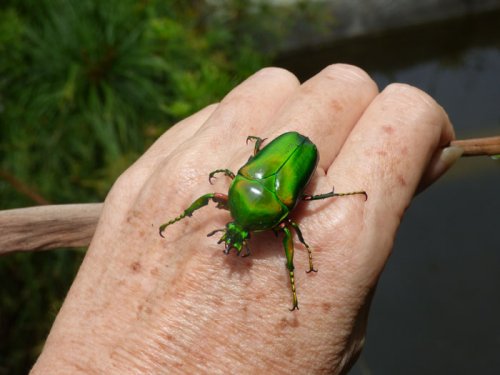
146,304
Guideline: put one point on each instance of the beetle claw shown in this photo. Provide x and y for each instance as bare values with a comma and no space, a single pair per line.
215,231
211,176
248,249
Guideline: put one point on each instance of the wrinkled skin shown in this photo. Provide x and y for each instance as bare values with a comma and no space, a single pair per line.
145,304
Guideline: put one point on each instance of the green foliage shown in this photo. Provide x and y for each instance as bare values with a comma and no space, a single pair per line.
87,82
85,87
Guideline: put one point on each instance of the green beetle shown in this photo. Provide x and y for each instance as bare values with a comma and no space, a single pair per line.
263,193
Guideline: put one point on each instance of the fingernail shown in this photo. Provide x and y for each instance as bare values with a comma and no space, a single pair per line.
448,157
440,164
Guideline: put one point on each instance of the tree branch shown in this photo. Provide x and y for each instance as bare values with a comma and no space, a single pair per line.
479,146
73,225
48,227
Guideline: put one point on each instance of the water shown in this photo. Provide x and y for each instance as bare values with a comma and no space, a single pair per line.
438,301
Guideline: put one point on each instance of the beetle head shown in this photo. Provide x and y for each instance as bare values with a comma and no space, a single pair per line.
235,237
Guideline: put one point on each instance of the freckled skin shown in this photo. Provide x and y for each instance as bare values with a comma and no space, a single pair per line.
263,193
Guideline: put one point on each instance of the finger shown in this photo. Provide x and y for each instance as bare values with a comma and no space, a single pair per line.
265,89
211,130
183,174
326,108
247,110
176,135
386,155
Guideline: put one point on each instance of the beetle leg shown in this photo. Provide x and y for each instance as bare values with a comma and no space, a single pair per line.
288,245
301,239
308,197
226,172
258,143
220,199
247,249
216,231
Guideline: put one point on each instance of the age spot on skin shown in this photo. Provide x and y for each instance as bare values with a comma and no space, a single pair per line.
337,106
326,307
136,266
290,352
388,129
285,323
401,180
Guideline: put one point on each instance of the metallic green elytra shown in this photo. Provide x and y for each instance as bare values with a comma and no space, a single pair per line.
263,193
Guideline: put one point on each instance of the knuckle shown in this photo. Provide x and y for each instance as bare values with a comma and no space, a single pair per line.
278,74
413,105
409,94
349,73
266,82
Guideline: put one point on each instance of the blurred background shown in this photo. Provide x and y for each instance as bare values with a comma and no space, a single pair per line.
86,86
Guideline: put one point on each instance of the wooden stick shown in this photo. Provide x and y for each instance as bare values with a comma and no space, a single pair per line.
73,225
479,146
48,227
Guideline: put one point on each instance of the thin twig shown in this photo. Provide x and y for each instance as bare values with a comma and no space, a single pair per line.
22,188
479,146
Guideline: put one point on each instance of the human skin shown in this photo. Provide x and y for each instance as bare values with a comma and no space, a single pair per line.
145,304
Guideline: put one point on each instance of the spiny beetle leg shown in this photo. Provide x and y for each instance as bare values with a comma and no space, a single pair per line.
226,172
220,199
258,143
308,197
288,245
301,239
